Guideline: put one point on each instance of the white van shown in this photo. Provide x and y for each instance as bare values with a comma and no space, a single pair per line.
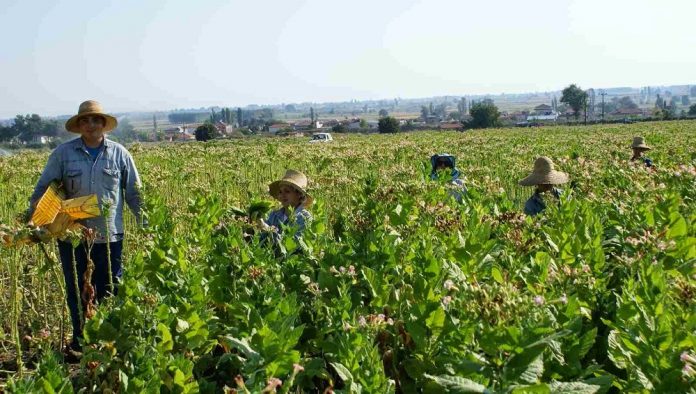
321,137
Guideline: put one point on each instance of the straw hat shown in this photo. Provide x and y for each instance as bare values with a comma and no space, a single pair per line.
639,142
544,174
90,107
294,179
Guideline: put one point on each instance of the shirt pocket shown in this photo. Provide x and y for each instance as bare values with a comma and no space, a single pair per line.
73,181
112,177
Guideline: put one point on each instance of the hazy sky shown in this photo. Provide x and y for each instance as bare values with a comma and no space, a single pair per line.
158,55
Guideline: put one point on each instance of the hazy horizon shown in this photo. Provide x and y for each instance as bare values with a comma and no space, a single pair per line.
159,55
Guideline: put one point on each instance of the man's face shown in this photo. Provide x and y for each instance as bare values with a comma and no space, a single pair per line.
91,126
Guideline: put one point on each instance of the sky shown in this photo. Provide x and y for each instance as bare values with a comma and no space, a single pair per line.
135,55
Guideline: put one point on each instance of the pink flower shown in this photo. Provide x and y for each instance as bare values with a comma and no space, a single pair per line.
362,322
446,300
688,370
449,285
564,299
539,300
297,368
687,358
274,383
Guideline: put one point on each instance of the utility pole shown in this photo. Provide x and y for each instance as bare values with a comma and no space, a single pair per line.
603,94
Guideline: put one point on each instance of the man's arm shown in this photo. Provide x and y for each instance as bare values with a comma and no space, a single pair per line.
132,185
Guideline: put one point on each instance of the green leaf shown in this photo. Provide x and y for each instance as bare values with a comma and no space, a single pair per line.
677,226
436,321
573,388
457,384
123,378
167,342
533,372
586,342
496,274
532,389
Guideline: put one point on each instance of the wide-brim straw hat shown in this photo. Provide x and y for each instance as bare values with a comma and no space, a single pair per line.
544,174
294,179
90,107
639,143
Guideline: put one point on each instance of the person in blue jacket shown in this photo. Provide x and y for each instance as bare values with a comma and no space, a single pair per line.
443,163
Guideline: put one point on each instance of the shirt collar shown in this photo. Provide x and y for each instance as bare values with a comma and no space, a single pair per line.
80,144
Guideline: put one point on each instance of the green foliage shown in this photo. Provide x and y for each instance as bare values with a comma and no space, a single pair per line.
399,288
575,98
205,132
388,125
483,115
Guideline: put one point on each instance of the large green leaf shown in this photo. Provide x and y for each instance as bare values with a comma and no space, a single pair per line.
456,384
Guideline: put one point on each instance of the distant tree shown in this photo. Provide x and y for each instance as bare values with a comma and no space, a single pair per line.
693,91
692,110
240,117
383,113
462,107
339,128
154,123
184,117
363,124
431,109
441,110
365,108
424,113
311,115
205,132
685,100
290,108
454,115
575,97
388,124
673,104
554,103
626,103
659,102
483,115
125,132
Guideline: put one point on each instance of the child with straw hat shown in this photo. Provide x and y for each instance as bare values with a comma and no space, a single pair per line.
639,148
291,191
544,177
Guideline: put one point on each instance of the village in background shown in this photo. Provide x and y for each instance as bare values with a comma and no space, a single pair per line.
570,106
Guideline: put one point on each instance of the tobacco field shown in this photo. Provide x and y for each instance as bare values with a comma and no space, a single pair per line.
401,289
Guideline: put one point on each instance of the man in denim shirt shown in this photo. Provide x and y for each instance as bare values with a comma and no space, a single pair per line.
88,165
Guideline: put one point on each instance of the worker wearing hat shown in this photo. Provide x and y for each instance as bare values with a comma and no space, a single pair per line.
92,165
545,177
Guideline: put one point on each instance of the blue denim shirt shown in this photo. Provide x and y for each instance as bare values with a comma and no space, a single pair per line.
278,217
535,204
112,177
